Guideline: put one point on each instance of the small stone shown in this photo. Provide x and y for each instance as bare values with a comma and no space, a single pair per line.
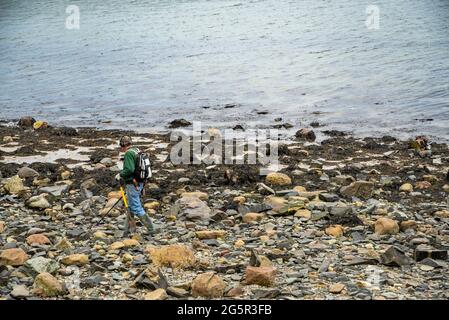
235,292
37,239
47,285
2,226
239,243
100,235
335,231
278,179
8,139
26,122
116,245
153,205
63,244
40,264
406,187
422,185
78,259
27,172
239,200
65,175
158,294
210,234
252,217
361,189
336,288
394,256
418,241
179,123
177,292
127,257
13,257
107,162
299,189
446,188
386,226
409,224
263,276
114,195
14,185
208,285
329,197
433,263
303,213
444,214
38,202
197,194
305,134
276,203
426,267
20,291
131,243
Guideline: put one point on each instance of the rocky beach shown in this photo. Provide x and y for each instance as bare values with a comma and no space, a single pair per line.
343,218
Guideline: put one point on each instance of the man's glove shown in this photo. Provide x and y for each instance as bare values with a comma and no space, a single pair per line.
120,179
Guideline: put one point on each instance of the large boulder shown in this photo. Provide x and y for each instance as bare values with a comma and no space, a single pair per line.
14,185
193,208
175,256
208,285
47,285
13,257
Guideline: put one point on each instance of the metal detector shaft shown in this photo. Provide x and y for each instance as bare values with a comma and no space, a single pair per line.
109,211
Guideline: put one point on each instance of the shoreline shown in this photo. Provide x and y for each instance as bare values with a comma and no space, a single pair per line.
339,206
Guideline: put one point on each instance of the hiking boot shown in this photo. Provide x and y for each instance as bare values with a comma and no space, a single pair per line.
146,220
130,226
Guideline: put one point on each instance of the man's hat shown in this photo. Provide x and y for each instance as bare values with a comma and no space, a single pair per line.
125,141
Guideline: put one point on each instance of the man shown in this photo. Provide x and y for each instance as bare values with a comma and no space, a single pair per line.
133,188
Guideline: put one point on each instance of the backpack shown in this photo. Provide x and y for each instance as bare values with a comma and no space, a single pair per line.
142,171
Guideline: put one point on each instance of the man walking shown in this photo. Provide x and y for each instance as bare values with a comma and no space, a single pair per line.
133,187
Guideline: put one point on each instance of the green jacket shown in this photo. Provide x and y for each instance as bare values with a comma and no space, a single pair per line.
129,165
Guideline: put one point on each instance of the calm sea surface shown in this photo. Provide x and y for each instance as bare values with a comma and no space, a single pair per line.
141,64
